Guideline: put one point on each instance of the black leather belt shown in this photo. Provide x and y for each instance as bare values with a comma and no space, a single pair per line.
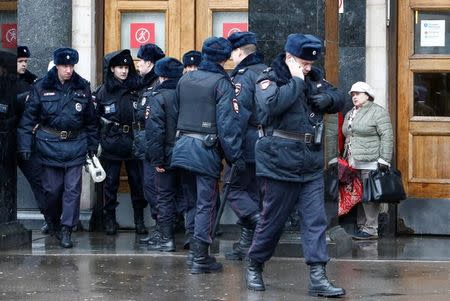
305,137
60,133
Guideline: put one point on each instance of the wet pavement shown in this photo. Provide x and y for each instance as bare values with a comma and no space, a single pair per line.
102,267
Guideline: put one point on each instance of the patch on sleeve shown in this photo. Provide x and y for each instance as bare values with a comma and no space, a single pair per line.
264,84
237,89
235,105
147,112
28,97
3,108
110,109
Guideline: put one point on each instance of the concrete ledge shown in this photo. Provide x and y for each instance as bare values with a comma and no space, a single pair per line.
13,235
33,219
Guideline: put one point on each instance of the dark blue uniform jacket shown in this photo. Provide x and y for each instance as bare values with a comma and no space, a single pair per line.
190,153
149,81
62,107
244,77
283,105
161,123
116,104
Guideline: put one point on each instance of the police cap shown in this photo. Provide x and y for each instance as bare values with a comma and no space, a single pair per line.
150,52
169,67
23,51
304,46
241,38
65,56
216,49
192,57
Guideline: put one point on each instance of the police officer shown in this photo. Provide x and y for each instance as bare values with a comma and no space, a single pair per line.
191,60
243,194
148,55
208,125
292,98
31,169
116,101
160,127
61,103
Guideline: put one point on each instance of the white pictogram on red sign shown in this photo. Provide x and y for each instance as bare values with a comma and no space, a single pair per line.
142,35
11,35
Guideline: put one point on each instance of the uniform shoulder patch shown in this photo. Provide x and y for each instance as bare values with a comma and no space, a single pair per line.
242,71
235,104
147,112
237,88
264,84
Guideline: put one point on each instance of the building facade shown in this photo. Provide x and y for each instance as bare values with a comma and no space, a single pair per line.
402,48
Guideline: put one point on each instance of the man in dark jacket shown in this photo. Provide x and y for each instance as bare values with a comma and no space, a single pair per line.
292,98
116,101
61,104
243,194
191,60
31,169
160,127
208,126
148,55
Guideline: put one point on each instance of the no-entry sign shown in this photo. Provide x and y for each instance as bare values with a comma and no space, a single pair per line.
9,35
141,33
230,28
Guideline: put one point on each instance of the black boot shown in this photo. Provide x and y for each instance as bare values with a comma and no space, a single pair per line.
66,241
253,276
240,248
319,284
139,221
203,262
166,242
44,228
54,229
110,222
152,237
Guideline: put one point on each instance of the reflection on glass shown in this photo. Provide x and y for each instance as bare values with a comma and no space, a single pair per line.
225,23
432,94
432,32
142,28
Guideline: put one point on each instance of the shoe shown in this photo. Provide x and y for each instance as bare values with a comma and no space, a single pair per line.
361,235
44,229
253,276
319,285
166,242
203,262
139,221
154,236
66,241
110,222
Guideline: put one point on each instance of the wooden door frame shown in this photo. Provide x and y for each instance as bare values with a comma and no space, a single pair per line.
8,5
171,9
409,125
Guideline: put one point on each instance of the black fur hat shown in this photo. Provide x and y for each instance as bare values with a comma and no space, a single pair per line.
192,57
304,46
122,58
150,52
242,38
65,56
23,51
216,49
169,67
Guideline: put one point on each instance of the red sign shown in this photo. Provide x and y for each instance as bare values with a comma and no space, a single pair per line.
9,35
230,28
141,33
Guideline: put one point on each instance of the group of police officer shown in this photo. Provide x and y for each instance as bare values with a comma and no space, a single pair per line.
174,128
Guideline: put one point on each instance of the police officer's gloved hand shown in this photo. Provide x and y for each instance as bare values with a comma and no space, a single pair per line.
25,155
240,164
320,101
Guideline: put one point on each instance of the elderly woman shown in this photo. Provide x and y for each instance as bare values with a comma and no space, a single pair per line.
368,146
